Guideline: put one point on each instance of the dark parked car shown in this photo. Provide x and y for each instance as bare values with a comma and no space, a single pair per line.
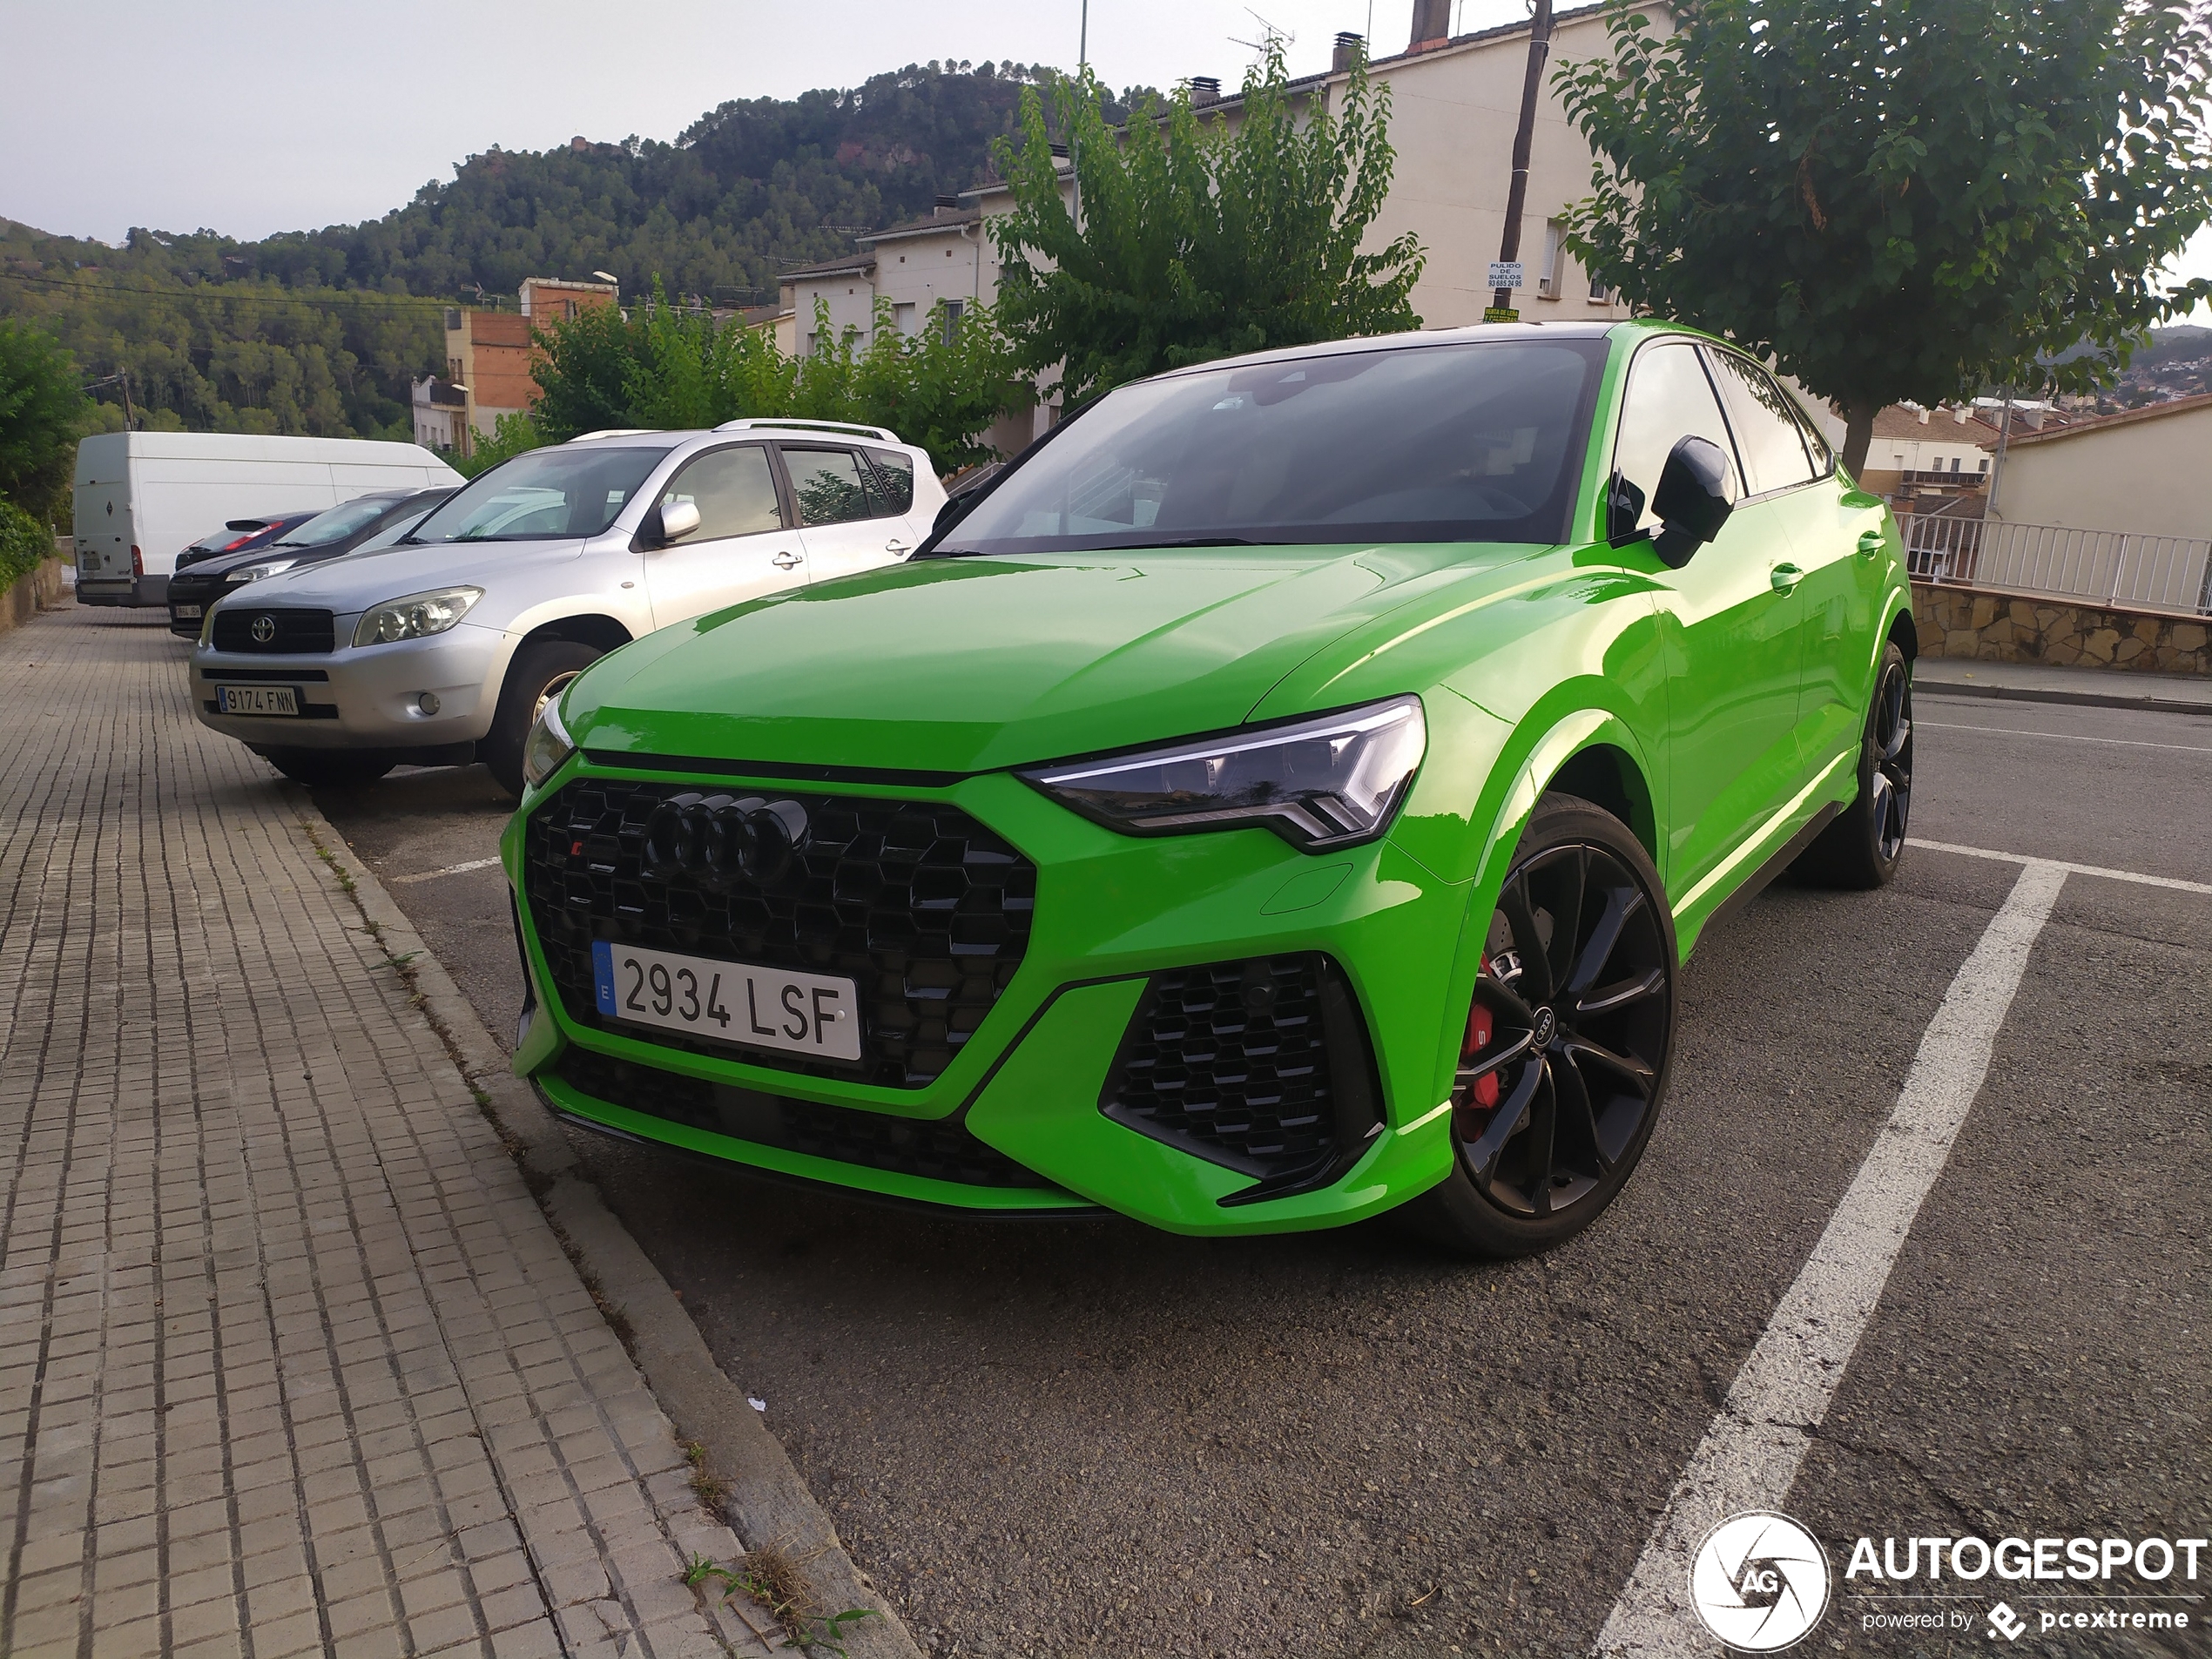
373,519
240,535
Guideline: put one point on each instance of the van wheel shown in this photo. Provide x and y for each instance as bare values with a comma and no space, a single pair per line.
539,674
331,768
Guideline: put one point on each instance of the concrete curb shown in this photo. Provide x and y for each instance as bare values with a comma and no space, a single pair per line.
1924,687
768,1502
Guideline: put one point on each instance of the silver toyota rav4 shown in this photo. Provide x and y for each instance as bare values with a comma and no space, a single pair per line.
440,649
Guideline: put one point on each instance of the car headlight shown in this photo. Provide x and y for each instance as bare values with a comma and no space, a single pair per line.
1318,784
268,567
547,746
415,617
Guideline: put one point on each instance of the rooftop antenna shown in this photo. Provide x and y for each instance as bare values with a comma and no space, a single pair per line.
1269,33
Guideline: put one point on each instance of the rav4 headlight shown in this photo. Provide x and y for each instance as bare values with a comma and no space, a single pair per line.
417,615
1322,783
547,746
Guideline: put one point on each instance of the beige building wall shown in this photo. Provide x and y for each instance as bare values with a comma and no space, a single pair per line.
2144,474
1454,110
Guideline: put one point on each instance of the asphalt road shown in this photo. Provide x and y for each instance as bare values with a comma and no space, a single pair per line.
1086,1438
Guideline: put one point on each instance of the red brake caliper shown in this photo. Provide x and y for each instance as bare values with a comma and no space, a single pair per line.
1480,1029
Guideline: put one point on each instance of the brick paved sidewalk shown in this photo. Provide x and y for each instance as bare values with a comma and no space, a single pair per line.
290,1359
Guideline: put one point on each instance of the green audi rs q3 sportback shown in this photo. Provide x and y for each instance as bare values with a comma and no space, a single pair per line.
1286,792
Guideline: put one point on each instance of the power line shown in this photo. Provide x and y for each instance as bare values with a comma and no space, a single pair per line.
342,298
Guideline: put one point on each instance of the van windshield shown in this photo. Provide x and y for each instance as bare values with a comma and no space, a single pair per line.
557,493
1460,443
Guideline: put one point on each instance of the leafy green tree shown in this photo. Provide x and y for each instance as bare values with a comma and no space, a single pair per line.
512,434
1198,237
43,412
672,367
1902,199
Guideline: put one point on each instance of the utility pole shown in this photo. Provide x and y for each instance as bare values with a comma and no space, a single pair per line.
1539,45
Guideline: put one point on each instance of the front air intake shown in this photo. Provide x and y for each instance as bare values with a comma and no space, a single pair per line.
1262,1066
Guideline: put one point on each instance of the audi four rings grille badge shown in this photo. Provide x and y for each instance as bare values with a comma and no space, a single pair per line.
264,630
722,841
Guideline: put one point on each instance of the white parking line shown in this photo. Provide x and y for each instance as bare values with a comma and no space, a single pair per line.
2135,876
432,875
2062,736
1751,1451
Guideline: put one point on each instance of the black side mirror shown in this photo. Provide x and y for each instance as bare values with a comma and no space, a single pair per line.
1692,500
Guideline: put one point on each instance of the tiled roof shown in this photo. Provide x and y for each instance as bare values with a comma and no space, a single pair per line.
944,219
2126,417
851,265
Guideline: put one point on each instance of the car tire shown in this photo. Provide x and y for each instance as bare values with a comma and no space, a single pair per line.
539,672
1863,845
331,768
1565,1059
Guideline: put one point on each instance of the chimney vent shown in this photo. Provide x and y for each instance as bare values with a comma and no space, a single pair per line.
1205,89
948,204
1432,25
1350,49
1060,151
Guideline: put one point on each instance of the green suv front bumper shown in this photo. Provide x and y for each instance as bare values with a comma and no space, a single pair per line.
1114,917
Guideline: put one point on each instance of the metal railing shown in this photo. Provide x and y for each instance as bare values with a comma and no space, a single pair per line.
2108,567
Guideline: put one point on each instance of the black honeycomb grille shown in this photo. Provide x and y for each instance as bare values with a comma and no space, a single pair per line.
924,909
936,1150
1256,1065
289,630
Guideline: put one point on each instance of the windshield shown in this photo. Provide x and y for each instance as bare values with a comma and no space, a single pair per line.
339,522
399,527
1477,441
574,489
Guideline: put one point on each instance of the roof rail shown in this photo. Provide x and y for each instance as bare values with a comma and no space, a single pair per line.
615,432
852,428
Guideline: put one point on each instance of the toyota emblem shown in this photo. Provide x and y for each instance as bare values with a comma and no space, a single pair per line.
264,630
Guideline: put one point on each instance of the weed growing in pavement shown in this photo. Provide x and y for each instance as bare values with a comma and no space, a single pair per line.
772,1579
709,1487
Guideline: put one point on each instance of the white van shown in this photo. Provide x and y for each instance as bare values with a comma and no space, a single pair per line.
143,498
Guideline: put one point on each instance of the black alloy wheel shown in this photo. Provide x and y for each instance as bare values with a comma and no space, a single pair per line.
1865,844
1565,1059
540,672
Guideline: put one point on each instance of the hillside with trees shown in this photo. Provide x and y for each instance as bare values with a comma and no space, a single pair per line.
320,331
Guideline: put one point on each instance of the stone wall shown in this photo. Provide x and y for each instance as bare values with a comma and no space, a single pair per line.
2009,628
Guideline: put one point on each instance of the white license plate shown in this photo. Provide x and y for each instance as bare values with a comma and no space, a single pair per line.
759,1008
257,699
188,613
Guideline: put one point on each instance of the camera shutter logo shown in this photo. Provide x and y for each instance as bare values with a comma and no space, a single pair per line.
264,630
1759,1582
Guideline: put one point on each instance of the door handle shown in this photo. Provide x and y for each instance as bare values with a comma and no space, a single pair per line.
894,545
1871,542
786,560
1784,577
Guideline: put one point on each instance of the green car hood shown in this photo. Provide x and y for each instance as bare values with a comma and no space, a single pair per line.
972,664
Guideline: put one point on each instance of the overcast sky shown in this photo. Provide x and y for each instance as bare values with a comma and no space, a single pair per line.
254,116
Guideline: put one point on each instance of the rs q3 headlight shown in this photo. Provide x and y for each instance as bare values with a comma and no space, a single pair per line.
547,746
1327,782
415,617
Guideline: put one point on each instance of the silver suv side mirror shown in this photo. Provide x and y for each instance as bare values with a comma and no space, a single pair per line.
675,520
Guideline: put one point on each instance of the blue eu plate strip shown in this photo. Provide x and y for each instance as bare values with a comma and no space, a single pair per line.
603,975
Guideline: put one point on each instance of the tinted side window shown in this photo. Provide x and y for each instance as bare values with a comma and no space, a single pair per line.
733,490
1670,399
1767,434
829,485
1823,458
895,474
